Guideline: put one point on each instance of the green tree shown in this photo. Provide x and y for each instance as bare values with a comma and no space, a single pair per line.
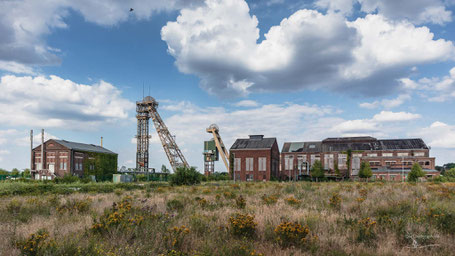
15,172
337,170
348,161
450,173
164,169
4,172
26,173
416,173
316,170
365,170
185,176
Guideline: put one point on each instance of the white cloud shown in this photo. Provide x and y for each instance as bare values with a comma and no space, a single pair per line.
218,43
439,135
389,44
343,6
416,11
435,89
5,135
247,103
386,103
25,23
378,125
388,116
55,102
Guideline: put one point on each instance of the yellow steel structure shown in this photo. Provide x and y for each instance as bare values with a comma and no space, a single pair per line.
215,131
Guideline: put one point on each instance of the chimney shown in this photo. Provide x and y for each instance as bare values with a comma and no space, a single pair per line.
256,137
101,141
42,150
31,150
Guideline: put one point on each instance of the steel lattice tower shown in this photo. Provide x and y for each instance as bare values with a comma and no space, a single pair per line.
146,109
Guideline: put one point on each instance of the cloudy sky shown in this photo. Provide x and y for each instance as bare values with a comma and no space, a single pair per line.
295,70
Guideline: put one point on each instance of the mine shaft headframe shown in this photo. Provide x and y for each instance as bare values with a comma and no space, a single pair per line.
148,107
214,130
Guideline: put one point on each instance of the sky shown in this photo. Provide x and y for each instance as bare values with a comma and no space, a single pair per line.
294,70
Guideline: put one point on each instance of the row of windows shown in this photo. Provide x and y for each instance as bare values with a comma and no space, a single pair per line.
249,164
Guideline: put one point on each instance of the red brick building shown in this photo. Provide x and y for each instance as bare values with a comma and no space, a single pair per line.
256,158
388,158
64,157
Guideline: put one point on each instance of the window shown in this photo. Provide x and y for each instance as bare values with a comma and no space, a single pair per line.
342,158
64,166
375,163
372,154
289,162
262,163
249,164
314,158
402,154
301,165
237,162
390,163
356,163
387,154
312,146
356,155
419,154
249,177
328,161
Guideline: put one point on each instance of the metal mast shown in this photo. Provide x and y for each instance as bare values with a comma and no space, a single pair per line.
148,109
142,154
213,129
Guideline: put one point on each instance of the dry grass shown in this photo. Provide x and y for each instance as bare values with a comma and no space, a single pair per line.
404,219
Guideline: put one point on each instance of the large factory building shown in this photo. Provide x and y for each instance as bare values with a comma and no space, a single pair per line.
389,159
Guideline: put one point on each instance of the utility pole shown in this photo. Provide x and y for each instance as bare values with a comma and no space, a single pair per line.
31,150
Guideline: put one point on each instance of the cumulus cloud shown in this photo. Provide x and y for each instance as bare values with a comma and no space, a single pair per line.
25,23
416,11
383,121
246,103
56,102
434,89
218,42
439,135
386,103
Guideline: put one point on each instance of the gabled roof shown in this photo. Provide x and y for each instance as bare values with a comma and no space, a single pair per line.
84,147
254,142
403,144
81,146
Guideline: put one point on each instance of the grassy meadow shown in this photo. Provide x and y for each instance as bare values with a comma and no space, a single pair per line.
223,218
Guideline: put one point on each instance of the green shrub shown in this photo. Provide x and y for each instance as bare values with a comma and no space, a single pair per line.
175,205
185,176
66,179
415,173
291,234
240,202
243,225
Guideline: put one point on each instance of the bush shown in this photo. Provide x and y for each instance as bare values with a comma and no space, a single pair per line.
317,171
175,205
240,202
291,234
416,173
185,176
365,170
335,201
67,179
243,225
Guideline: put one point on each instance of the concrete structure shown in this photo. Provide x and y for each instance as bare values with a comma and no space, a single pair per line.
62,157
387,158
255,159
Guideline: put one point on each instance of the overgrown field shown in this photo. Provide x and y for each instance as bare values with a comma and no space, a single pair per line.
232,219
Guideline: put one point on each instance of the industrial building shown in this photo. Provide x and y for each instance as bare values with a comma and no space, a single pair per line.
389,159
255,159
64,157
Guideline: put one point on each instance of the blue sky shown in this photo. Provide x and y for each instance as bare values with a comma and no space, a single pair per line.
295,70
